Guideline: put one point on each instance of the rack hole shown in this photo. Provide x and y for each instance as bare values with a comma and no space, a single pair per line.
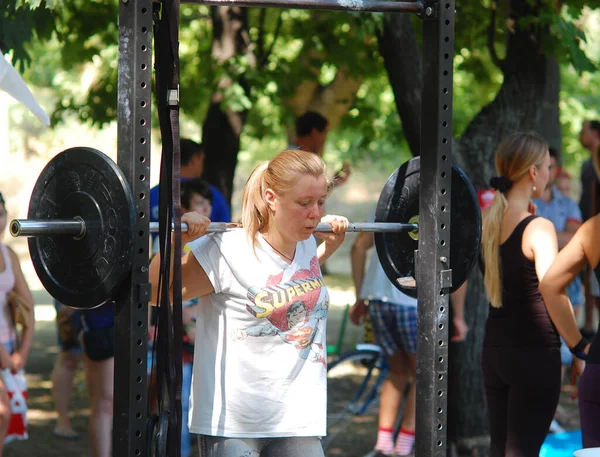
441,326
144,47
142,215
142,140
142,177
142,195
442,309
443,226
143,85
142,159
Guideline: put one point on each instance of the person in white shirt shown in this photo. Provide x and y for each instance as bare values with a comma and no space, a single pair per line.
259,377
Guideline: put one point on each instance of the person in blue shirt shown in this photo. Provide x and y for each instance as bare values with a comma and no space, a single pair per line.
192,166
561,210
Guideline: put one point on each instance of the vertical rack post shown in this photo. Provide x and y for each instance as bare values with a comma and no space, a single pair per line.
434,275
133,157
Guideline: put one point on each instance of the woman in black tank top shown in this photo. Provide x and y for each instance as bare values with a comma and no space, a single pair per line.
583,249
521,351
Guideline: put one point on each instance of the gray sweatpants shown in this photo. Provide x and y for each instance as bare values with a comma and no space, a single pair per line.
215,446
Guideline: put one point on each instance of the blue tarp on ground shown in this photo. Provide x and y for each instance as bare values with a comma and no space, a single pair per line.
561,444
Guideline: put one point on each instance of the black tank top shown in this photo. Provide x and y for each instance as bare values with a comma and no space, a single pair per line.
523,320
594,352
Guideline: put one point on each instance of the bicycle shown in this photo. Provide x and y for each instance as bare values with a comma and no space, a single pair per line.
353,382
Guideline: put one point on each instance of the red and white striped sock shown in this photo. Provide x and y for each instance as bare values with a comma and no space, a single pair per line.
405,442
385,440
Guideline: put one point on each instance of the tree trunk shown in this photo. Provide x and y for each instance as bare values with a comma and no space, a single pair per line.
518,106
332,101
549,124
222,127
402,61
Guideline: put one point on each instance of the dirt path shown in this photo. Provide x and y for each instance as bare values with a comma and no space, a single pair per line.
357,440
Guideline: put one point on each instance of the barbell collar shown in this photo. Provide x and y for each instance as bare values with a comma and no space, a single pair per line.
76,227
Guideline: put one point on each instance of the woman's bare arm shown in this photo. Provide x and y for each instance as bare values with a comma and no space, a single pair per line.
194,280
567,265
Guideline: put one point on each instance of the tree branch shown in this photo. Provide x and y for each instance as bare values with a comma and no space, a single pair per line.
492,37
260,41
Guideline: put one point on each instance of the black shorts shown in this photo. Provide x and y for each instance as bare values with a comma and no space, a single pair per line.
99,343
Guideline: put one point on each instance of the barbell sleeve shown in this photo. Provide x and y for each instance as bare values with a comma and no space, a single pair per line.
47,227
76,227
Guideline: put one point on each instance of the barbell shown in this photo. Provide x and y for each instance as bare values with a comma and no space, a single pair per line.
81,220
77,227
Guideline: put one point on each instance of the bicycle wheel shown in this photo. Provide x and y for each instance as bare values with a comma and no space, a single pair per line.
353,383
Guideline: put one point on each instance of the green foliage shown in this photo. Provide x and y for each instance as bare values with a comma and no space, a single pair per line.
21,22
74,46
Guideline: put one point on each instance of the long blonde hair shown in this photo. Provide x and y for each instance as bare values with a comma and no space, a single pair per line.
279,174
515,155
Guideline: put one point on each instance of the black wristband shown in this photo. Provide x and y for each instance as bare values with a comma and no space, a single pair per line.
578,349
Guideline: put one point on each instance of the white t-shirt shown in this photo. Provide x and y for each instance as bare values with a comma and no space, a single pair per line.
377,286
260,351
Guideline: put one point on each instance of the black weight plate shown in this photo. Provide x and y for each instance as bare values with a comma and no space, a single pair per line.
399,201
83,182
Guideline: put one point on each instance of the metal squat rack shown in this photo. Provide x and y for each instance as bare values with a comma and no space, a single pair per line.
434,274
